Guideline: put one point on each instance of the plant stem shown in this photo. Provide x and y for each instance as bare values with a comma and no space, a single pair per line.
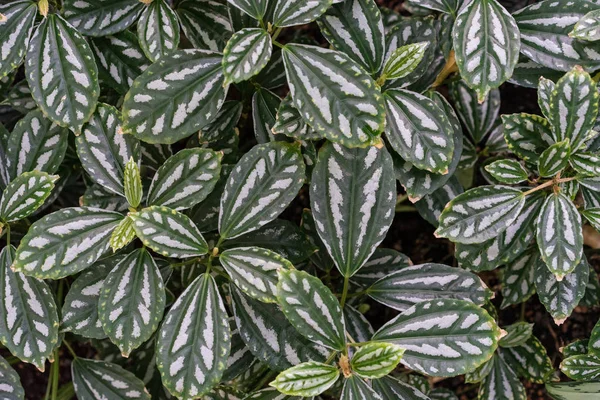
448,69
548,184
55,375
70,349
344,291
49,386
276,43
7,234
276,33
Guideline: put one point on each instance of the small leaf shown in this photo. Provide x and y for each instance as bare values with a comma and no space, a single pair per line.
307,379
593,217
205,23
507,171
382,263
431,206
132,183
10,382
158,30
93,379
264,113
298,12
578,347
15,32
246,54
583,367
356,388
25,195
404,60
391,388
478,118
588,27
527,135
546,93
376,360
586,163
357,326
254,8
554,159
518,279
501,379
289,122
517,334
101,17
97,196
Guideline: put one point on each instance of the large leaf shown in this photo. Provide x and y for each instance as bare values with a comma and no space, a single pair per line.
356,388
194,341
246,54
392,388
334,95
158,30
62,74
298,12
442,337
15,32
583,367
175,96
261,186
353,195
478,118
307,379
65,242
95,379
205,23
501,381
10,382
101,17
376,360
25,195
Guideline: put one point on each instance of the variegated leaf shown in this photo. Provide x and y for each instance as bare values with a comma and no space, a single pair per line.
507,171
132,301
254,8
442,337
478,118
480,372
392,388
270,394
261,186
413,284
306,379
10,382
194,341
19,98
554,159
101,17
546,93
264,114
254,271
518,279
158,30
95,379
333,94
65,242
240,358
573,390
357,389
62,74
527,135
517,334
357,325
382,263
577,347
593,346
98,197
298,12
593,217
205,23
442,394
175,97
559,234
376,360
586,163
530,360
15,31
431,206
168,232
404,60
28,317
501,381
584,367
352,195
25,195
289,122
588,27
246,54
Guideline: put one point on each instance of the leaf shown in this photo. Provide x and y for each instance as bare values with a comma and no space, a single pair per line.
559,234
404,60
246,54
583,367
356,388
334,95
101,17
15,32
260,187
442,337
575,348
269,394
25,194
65,242
174,97
527,73
586,163
518,280
554,159
546,93
93,379
104,150
356,29
478,118
594,342
240,358
97,197
573,390
517,334
352,197
307,379
28,317
298,12
527,135
254,271
205,23
392,388
168,232
19,97
132,183
402,289
442,394
481,372
194,340
419,130
254,8
480,214
376,360
289,122
530,361
62,74
357,326
588,27
431,206
10,382
158,30
508,171
502,381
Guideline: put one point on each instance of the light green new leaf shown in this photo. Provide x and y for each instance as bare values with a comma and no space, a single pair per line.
517,334
260,187
554,159
392,388
442,337
264,114
486,43
174,97
307,379
530,360
254,8
101,17
334,95
62,74
194,341
353,194
527,135
298,12
518,279
507,171
25,195
478,118
559,234
588,27
15,31
585,367
205,23
404,60
376,360
356,389
501,381
28,317
132,183
246,54
586,163
158,30
10,382
65,242
94,379
311,308
573,390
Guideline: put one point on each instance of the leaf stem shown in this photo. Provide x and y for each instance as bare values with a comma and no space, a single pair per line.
276,43
49,385
7,234
548,184
70,349
276,33
55,375
345,291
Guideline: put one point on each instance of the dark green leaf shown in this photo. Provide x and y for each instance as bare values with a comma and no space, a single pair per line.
527,135
264,114
584,367
101,17
246,54
15,31
298,12
518,279
530,360
517,334
94,379
478,118
158,30
356,388
25,195
501,381
392,388
10,382
554,159
205,23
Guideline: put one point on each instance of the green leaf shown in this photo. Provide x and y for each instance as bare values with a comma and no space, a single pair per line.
527,135
508,171
194,341
174,97
62,74
97,196
10,382
480,372
25,194
264,114
19,98
353,195
517,334
356,388
334,95
442,394
480,214
431,206
298,12
158,30
289,122
103,149
246,54
402,289
404,60
559,234
392,388
269,394
357,325
93,379
501,381
132,183
65,242
307,379
101,17
586,163
376,360
168,232
442,337
530,361
518,280
254,271
573,390
583,367
15,32
486,42
578,347
254,8
478,118
382,263
205,23
240,358
588,27
261,186
355,28
546,93
554,159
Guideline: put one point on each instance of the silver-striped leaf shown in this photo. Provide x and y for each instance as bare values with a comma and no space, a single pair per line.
260,187
101,17
205,23
430,207
10,382
98,197
289,122
573,390
28,316
15,31
577,347
507,171
442,394
270,394
19,98
265,106
559,234
357,325
246,54
527,135
357,389
194,341
376,360
517,334
554,159
593,217
478,118
413,284
404,60
158,30
546,92
174,97
530,360
585,367
594,342
62,74
586,163
382,263
501,381
96,379
311,308
24,195
353,195
298,12
518,279
442,337
588,27
65,242
334,95
389,387
307,379
254,8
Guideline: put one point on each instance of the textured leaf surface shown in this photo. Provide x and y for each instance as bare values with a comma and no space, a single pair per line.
554,159
307,379
356,388
289,122
25,195
382,263
246,54
518,280
392,388
581,367
588,27
10,382
93,379
478,118
376,360
101,17
527,135
507,171
530,360
517,334
254,8
264,114
205,23
158,30
298,12
431,206
404,60
573,390
15,32
586,163
357,325
501,381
